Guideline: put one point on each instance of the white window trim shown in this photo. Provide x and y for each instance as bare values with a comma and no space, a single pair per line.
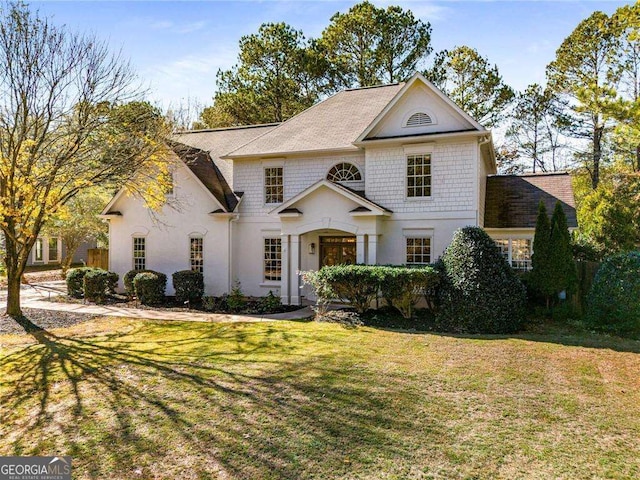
270,236
146,249
418,236
35,259
192,236
271,164
418,150
510,240
348,182
58,250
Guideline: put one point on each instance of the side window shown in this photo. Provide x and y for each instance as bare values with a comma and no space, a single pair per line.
419,175
196,254
139,253
418,251
38,250
273,185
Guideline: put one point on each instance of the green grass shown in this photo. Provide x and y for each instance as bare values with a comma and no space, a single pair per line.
133,399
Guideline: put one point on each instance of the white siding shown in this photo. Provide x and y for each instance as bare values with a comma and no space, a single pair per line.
299,173
453,178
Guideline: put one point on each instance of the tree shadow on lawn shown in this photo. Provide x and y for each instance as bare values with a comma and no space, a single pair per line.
215,401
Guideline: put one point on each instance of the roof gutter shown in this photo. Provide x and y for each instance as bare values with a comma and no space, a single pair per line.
420,138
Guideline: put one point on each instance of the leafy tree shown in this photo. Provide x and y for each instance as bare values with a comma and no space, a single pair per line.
541,261
565,276
63,129
77,222
534,127
609,216
586,72
271,82
472,83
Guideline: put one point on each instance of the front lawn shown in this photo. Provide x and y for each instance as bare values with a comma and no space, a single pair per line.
157,400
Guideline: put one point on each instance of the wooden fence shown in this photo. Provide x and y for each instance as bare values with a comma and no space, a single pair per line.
98,257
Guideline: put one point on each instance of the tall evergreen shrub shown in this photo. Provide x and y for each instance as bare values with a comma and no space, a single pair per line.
541,263
479,292
565,275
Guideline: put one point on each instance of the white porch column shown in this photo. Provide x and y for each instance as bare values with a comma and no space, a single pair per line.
360,258
372,250
284,269
294,265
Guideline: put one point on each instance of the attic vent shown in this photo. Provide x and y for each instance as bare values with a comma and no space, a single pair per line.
418,119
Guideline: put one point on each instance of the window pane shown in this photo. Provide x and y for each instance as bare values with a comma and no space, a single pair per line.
196,254
139,253
272,259
419,175
418,251
521,253
53,249
273,185
39,249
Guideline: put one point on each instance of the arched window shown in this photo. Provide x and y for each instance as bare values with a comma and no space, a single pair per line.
344,172
419,119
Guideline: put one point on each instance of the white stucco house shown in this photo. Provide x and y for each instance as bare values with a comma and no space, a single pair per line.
370,175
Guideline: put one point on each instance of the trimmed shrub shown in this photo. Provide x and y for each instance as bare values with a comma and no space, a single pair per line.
403,287
236,301
356,284
127,280
98,284
359,285
479,291
614,302
189,285
150,287
75,281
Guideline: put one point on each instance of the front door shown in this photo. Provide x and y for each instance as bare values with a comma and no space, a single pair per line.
337,251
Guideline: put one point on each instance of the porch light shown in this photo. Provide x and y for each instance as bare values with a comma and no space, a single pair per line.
312,248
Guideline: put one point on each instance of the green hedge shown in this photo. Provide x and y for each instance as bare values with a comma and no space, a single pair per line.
403,287
359,285
479,291
150,287
75,281
614,301
189,285
127,280
98,284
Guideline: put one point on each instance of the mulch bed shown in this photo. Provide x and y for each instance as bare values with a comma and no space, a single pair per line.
46,319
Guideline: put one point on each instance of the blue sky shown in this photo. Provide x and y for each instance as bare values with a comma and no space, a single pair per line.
177,47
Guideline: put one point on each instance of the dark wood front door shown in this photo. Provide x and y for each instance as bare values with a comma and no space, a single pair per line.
337,250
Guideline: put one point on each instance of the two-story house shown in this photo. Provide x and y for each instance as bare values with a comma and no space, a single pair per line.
370,175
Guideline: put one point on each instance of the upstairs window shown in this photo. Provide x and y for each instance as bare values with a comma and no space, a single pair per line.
344,172
273,185
419,175
419,119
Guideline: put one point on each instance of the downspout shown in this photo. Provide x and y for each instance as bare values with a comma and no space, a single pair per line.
486,139
232,218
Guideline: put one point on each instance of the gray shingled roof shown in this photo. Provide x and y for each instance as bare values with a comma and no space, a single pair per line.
512,200
332,124
219,142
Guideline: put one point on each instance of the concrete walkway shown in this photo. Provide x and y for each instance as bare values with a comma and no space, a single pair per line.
38,296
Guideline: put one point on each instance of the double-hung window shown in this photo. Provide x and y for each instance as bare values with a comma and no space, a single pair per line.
272,261
516,251
139,253
419,175
418,251
196,254
273,185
